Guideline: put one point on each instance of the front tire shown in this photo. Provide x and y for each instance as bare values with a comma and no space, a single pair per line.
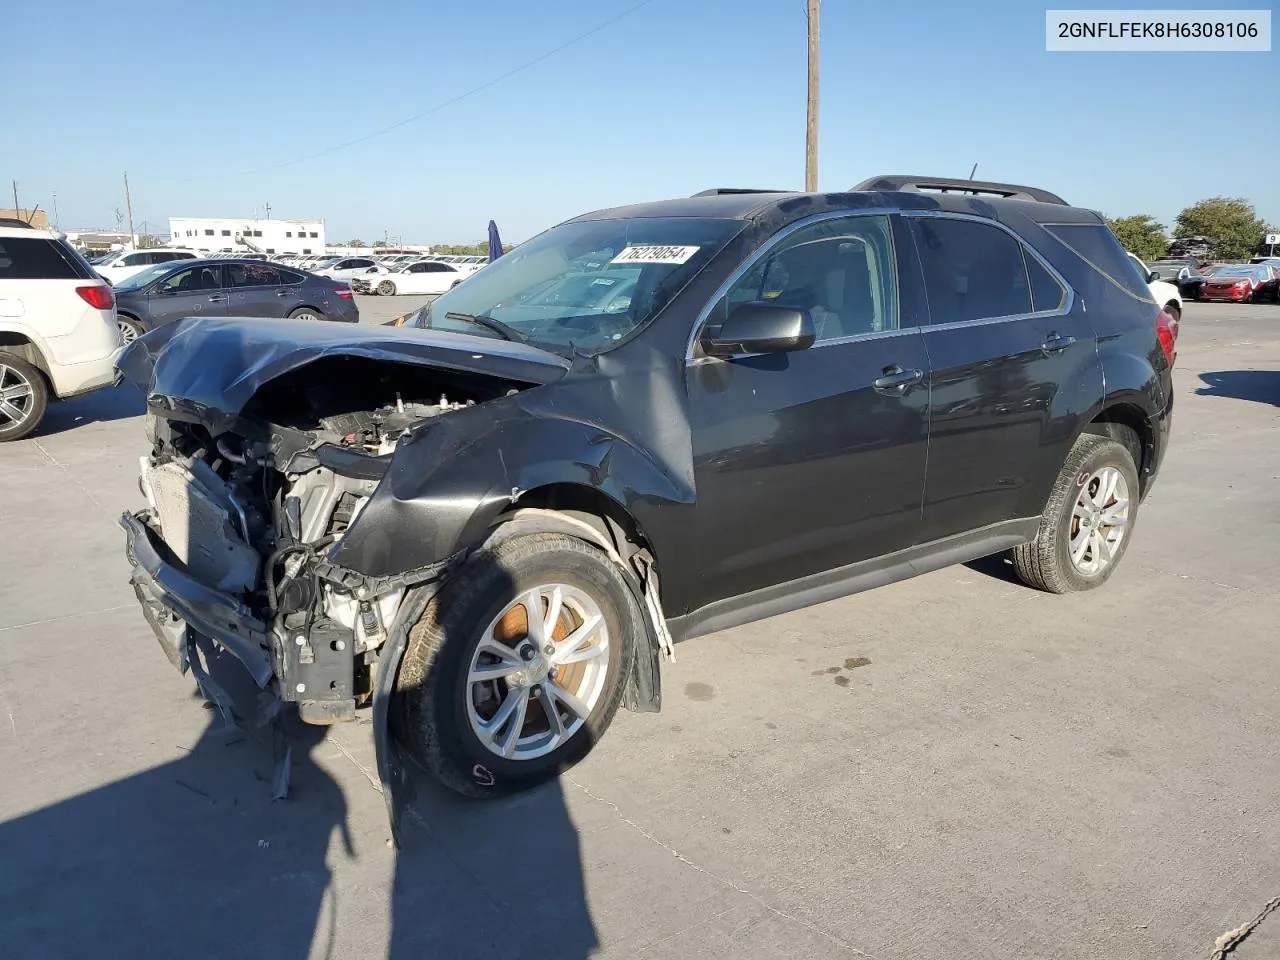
24,398
518,665
1087,523
386,289
130,329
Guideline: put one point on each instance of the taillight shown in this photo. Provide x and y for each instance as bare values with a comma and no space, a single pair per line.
1167,332
342,293
98,296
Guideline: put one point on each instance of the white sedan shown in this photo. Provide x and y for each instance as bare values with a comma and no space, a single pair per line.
344,268
122,265
425,276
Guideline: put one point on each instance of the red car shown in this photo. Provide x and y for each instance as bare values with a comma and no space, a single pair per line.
1240,284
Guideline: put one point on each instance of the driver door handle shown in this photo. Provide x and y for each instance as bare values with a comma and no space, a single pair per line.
218,298
1056,344
895,381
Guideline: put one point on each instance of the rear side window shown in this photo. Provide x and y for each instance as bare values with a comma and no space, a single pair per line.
1046,292
972,270
1099,246
37,258
288,276
252,275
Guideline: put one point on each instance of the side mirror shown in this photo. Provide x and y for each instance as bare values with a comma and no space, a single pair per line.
760,327
1152,276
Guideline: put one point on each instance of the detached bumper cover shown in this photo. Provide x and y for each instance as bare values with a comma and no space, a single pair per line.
159,579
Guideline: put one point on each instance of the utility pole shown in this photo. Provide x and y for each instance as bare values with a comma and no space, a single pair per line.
811,119
128,205
55,210
268,211
17,212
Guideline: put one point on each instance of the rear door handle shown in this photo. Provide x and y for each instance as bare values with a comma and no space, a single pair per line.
282,293
895,380
1056,344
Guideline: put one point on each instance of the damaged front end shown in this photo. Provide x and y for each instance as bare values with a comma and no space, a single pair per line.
258,469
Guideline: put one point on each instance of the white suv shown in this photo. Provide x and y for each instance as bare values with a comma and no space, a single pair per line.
126,263
58,333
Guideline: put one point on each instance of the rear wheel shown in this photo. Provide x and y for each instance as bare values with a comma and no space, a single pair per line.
387,289
306,313
24,398
518,665
1088,521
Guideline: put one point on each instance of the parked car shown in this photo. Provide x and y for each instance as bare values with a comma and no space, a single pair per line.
126,263
58,336
228,288
1235,283
1269,290
423,276
498,522
1162,291
345,268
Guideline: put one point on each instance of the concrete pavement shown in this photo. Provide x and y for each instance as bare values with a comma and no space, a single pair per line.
954,766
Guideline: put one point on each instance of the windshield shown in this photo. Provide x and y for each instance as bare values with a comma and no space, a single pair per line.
1254,272
144,276
586,285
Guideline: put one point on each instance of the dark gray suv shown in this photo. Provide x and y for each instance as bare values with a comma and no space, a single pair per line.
227,288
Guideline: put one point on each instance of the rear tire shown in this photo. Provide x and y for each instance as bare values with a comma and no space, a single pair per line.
24,398
1088,521
386,289
441,709
305,313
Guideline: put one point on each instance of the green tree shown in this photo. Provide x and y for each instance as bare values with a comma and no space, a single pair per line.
1141,234
379,243
1231,221
146,241
356,243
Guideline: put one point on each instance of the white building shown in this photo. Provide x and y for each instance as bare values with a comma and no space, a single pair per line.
220,234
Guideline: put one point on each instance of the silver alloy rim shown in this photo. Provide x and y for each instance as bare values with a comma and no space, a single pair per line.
386,288
538,672
305,316
1099,520
17,399
128,333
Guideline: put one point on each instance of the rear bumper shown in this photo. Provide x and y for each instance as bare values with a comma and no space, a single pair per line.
162,584
74,379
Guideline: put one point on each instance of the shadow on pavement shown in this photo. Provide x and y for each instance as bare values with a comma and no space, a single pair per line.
114,403
1261,386
194,859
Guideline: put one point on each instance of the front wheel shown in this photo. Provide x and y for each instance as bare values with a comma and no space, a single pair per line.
1088,521
518,665
130,329
386,289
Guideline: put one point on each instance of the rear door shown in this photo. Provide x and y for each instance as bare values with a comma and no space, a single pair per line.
1013,367
197,291
256,290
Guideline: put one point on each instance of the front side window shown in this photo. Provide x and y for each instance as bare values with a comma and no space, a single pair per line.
657,256
972,270
192,280
841,270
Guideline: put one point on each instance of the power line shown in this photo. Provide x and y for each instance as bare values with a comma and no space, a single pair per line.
462,96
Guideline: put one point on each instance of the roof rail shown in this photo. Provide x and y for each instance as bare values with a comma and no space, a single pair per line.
908,184
726,191
14,222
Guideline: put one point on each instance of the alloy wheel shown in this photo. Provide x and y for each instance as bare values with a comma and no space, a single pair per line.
17,399
1099,520
128,332
538,672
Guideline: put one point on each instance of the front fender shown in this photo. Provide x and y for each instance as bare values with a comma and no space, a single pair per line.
446,486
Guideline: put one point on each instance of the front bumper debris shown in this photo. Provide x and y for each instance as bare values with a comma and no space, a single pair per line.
160,580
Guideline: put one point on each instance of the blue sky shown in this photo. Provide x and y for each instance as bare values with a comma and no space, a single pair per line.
216,101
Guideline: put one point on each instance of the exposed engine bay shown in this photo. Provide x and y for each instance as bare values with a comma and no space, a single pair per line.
253,512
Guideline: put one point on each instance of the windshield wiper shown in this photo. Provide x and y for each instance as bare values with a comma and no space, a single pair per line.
497,326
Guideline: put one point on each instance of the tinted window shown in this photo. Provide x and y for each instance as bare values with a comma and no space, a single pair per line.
419,268
288,276
252,275
1046,292
841,271
1099,246
191,280
972,270
362,263
36,258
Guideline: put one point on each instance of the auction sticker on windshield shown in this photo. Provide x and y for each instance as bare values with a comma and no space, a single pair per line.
654,254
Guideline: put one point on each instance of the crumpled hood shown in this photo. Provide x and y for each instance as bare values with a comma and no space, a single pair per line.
212,367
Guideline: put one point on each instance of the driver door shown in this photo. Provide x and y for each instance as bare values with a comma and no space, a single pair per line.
194,292
811,460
